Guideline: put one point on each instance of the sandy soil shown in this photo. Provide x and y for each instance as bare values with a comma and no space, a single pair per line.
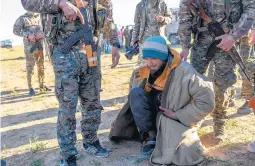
28,124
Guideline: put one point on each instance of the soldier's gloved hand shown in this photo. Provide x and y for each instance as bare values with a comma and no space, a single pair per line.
39,36
115,56
160,19
31,37
252,37
227,42
71,12
184,54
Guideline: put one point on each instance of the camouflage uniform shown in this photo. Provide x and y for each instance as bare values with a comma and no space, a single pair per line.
224,76
245,51
25,25
145,20
74,78
127,37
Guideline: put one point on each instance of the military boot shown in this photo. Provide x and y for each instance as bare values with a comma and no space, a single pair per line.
31,92
96,149
71,161
219,130
45,88
244,109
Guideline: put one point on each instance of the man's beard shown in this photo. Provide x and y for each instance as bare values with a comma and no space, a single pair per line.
158,70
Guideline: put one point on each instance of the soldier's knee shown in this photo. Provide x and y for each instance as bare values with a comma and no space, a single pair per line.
136,93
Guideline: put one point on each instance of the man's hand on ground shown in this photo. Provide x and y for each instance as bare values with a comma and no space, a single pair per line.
115,56
168,113
252,37
227,42
71,12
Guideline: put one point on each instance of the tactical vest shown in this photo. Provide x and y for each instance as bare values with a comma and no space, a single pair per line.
52,23
32,23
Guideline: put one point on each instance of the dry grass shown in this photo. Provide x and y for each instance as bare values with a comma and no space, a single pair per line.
28,125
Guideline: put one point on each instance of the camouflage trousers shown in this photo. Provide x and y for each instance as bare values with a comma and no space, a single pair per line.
75,79
140,60
127,42
246,51
224,79
31,59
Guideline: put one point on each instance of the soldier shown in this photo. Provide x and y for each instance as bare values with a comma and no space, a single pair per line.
236,24
28,26
251,145
245,49
151,17
127,37
75,74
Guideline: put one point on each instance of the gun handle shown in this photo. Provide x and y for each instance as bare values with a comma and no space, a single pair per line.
215,28
212,49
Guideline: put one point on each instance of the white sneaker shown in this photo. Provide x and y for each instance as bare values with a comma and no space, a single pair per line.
251,147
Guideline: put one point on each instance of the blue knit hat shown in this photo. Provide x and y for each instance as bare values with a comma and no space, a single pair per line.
155,47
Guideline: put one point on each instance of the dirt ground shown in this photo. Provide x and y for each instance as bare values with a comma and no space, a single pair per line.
28,124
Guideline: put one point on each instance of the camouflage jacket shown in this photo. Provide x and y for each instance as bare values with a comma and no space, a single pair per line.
145,19
216,9
27,24
51,7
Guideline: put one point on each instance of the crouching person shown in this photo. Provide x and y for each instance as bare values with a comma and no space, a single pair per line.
166,107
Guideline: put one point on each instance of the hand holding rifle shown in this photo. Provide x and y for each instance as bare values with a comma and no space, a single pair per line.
71,12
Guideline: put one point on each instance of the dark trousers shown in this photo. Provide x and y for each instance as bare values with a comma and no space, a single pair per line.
144,108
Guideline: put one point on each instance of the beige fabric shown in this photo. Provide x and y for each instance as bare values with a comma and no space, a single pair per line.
191,96
169,149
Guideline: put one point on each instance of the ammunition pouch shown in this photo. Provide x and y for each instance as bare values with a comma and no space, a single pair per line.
51,26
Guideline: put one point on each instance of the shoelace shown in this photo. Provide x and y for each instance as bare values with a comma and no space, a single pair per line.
92,149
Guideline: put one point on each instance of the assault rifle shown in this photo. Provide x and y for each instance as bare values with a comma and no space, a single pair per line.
85,34
215,28
36,45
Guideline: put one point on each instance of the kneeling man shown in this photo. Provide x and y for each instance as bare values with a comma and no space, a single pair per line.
166,106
